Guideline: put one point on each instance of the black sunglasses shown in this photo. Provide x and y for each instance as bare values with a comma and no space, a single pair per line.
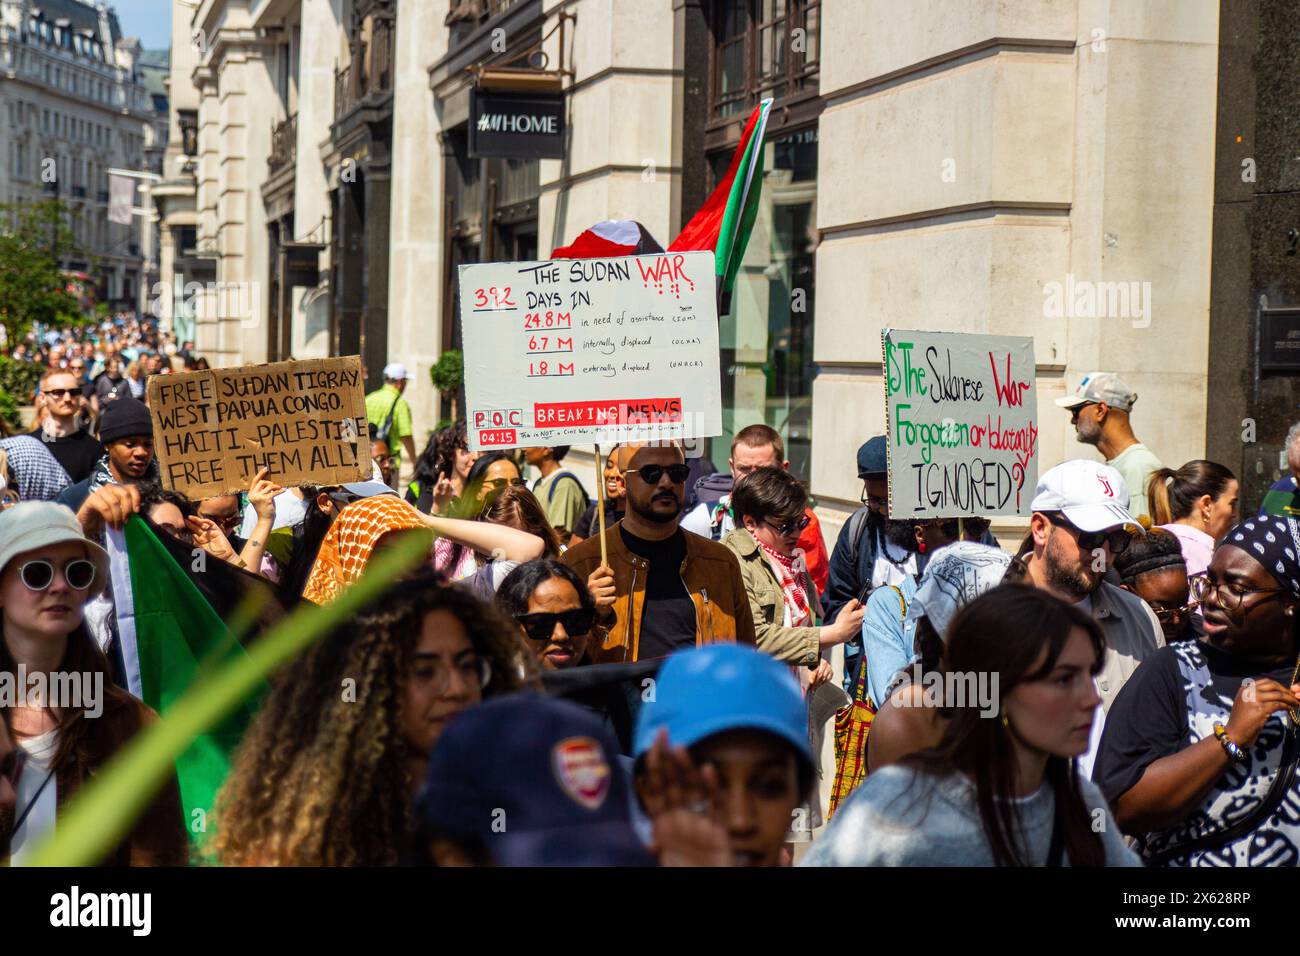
541,625
62,392
788,527
1117,540
38,574
651,474
976,526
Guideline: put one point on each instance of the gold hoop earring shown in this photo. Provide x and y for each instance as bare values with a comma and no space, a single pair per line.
1006,722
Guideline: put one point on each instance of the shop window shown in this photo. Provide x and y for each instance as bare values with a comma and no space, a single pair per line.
762,48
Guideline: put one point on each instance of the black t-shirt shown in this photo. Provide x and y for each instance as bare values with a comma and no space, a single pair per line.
1148,719
77,453
668,619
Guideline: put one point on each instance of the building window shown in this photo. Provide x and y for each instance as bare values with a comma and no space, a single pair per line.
767,339
762,48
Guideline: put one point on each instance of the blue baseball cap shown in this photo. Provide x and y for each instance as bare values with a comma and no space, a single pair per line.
538,781
872,458
722,687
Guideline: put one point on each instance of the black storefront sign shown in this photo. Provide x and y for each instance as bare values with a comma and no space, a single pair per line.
516,125
1279,341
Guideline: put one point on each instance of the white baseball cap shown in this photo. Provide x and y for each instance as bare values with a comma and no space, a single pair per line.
395,371
1092,496
1098,387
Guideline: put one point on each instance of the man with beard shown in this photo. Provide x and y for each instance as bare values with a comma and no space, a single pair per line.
126,432
1099,411
663,588
1079,524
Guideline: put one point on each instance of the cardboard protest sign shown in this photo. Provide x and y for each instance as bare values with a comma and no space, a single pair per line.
303,421
573,351
962,424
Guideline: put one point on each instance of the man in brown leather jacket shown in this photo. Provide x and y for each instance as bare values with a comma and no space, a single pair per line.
664,588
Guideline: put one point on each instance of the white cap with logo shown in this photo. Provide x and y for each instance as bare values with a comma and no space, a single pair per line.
1092,496
1101,387
395,371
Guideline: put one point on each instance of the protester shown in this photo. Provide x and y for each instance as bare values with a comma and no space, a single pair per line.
908,722
111,384
1154,568
383,460
886,637
615,502
517,507
135,379
362,526
769,503
1099,411
509,505
442,469
320,506
327,773
755,446
48,570
35,473
669,589
553,609
1079,524
545,767
126,431
388,411
61,429
1014,774
1283,496
725,740
1197,504
561,492
1198,756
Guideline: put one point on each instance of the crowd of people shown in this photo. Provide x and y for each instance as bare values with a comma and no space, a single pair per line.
1117,688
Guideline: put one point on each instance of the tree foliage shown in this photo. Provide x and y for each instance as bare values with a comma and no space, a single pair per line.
33,288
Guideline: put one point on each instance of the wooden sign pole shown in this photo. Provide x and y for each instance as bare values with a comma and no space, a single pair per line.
600,503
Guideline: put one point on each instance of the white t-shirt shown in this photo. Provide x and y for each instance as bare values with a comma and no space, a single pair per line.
40,820
895,571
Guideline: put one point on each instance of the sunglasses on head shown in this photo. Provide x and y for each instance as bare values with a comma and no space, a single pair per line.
38,574
1117,540
651,474
541,625
501,484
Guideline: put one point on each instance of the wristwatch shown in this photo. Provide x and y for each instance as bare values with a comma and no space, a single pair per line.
1234,752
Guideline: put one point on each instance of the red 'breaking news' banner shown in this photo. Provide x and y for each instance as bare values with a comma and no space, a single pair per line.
630,411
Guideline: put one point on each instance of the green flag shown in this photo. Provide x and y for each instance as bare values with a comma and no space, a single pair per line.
180,641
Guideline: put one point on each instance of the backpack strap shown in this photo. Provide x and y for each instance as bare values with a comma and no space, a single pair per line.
550,493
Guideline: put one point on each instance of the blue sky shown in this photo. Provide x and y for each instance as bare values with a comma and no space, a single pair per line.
150,20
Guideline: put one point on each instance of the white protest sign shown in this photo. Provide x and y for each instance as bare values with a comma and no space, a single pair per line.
962,424
576,351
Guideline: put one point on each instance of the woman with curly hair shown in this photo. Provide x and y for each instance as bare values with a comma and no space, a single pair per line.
327,773
442,469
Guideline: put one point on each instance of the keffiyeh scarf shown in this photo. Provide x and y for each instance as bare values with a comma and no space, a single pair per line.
351,541
37,473
790,569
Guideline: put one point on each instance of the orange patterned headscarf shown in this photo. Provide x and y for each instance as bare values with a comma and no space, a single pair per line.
351,540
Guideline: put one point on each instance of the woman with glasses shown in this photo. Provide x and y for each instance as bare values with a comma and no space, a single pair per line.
1199,751
329,769
48,571
553,609
1153,568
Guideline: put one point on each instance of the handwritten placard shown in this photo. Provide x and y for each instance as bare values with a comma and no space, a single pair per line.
573,351
962,427
303,421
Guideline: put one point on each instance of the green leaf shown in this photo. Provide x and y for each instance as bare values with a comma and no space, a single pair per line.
99,816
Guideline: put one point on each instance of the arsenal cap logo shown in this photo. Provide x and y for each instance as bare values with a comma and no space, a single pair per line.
581,770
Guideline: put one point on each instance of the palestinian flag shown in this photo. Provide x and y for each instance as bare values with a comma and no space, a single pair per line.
726,219
609,239
172,636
